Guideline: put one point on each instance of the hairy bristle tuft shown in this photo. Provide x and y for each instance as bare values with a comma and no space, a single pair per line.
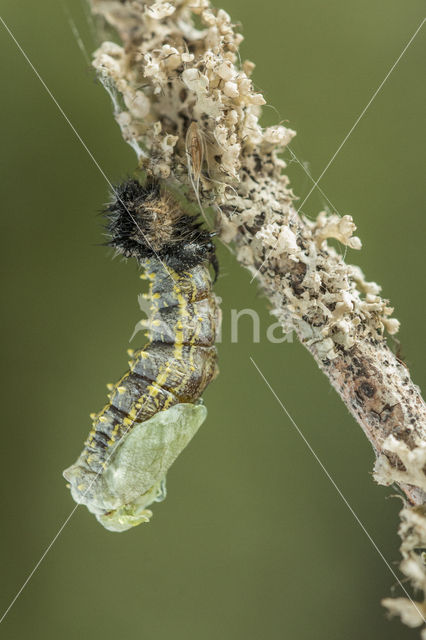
145,222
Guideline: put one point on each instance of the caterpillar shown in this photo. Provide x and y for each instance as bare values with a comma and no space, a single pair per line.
155,408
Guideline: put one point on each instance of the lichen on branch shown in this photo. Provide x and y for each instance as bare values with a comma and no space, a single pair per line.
186,104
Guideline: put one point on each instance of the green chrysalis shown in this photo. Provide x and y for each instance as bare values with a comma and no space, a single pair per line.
135,473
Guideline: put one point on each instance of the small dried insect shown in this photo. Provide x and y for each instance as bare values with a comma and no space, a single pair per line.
195,150
154,409
195,153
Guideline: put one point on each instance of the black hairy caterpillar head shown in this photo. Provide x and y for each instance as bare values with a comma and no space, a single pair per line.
144,222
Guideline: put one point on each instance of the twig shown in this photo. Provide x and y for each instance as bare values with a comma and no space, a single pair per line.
169,81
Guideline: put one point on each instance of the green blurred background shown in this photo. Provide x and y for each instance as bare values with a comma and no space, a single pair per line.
253,541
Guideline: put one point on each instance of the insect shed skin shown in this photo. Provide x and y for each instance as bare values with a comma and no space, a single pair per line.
174,367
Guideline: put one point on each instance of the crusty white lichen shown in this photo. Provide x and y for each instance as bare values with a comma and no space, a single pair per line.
332,226
412,531
413,461
186,104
